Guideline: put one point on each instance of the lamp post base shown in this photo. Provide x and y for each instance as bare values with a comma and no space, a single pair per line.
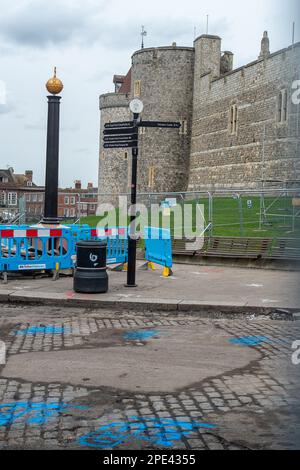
50,221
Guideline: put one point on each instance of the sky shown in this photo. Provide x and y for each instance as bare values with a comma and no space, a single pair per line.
90,41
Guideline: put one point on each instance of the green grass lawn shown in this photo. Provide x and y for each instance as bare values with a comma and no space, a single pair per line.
232,217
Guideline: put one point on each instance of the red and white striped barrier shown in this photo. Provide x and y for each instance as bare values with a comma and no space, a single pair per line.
111,232
30,233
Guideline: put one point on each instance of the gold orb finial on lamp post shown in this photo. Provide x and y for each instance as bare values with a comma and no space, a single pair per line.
54,85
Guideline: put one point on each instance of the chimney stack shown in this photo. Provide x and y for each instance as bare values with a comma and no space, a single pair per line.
29,175
78,184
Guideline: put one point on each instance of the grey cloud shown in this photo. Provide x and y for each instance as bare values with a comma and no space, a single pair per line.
42,23
6,108
161,32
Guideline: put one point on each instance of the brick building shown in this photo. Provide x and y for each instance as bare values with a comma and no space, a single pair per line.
239,126
77,202
20,196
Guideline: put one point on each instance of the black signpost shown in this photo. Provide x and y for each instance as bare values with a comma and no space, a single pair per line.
118,135
132,241
117,138
118,125
119,131
160,124
119,145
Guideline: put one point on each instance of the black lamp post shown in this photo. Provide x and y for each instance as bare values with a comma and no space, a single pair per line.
54,86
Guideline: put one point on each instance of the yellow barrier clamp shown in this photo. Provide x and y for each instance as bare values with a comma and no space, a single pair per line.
166,272
151,266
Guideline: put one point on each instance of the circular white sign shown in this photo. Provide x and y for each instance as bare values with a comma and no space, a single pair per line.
136,106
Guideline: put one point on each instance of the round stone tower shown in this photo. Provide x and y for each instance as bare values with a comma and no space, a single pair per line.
163,79
113,166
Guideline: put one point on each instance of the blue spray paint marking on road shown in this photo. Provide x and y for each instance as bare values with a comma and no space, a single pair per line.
140,335
250,340
164,432
32,413
43,330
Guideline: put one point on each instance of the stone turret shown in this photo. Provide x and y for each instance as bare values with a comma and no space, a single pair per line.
265,46
226,62
208,55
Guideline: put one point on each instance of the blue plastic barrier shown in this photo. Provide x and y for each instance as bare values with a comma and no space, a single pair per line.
158,246
116,238
24,249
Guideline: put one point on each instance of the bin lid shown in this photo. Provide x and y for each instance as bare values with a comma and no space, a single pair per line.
92,244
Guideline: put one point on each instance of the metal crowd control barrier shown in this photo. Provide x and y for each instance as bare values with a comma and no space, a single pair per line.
158,248
35,249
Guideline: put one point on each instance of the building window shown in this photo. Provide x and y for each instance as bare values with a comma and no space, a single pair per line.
28,197
34,198
151,179
126,156
67,200
137,88
233,119
66,212
72,201
12,199
142,130
282,106
29,183
2,199
41,198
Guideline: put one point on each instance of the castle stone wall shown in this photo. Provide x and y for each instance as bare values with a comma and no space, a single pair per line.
231,135
261,147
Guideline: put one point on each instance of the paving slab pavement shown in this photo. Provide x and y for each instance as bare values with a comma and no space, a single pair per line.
191,288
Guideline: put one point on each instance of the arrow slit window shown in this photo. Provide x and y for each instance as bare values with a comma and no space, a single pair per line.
151,177
282,111
137,88
183,130
233,119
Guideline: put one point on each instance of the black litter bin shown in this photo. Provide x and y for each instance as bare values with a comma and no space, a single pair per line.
91,272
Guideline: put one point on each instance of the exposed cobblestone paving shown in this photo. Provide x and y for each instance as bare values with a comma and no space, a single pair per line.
38,415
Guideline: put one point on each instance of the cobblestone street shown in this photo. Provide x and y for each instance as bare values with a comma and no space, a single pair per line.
101,379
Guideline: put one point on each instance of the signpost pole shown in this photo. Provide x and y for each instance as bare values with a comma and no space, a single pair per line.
132,242
125,135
